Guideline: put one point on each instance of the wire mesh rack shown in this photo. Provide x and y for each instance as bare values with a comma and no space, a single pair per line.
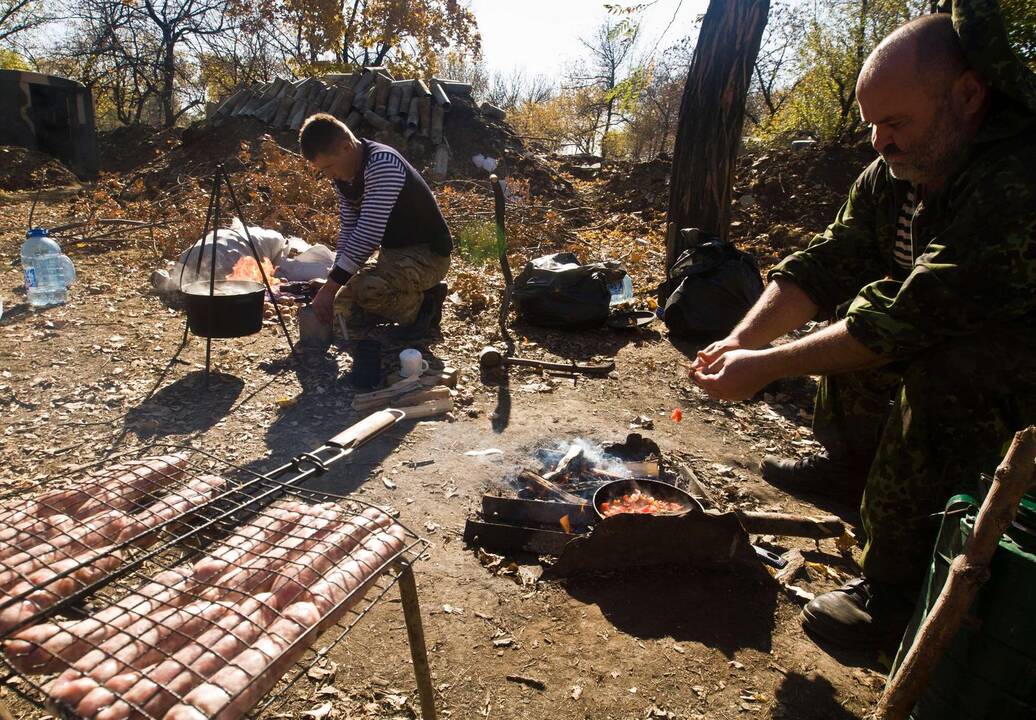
220,606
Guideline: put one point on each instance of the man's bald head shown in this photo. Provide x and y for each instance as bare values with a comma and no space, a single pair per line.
924,52
923,103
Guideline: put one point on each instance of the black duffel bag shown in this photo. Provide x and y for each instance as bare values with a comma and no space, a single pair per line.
710,288
557,291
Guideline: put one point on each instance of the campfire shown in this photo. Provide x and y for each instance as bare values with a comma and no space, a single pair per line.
248,269
624,505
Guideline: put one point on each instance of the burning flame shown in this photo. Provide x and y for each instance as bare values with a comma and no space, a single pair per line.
248,269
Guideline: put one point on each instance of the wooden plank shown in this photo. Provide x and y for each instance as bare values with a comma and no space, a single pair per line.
538,513
508,538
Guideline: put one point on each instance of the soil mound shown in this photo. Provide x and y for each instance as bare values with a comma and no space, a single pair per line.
127,148
24,169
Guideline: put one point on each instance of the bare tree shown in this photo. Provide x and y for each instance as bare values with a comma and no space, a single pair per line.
773,74
178,23
513,89
610,47
21,16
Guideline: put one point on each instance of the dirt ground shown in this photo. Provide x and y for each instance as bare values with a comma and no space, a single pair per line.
98,376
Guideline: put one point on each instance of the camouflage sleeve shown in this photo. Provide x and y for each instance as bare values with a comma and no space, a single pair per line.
977,272
845,257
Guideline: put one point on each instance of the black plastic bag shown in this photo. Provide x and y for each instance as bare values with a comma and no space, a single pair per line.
557,291
710,288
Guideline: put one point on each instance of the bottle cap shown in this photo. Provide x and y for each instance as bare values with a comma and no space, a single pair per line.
37,232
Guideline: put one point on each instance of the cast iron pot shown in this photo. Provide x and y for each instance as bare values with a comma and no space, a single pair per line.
655,488
234,310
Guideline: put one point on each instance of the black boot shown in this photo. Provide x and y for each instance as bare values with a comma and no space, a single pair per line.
819,474
860,615
366,370
429,316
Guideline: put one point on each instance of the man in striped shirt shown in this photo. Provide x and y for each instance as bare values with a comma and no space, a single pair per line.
383,205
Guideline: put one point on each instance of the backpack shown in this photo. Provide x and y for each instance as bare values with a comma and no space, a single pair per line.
557,291
709,289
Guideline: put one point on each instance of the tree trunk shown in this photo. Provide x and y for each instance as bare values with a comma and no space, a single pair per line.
168,81
711,117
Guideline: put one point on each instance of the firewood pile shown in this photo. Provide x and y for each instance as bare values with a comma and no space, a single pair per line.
369,97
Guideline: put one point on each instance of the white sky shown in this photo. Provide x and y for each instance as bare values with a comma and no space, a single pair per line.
542,36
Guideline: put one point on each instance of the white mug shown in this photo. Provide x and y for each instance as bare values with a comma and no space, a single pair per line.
411,363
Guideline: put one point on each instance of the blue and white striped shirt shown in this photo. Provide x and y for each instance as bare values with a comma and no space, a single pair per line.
362,221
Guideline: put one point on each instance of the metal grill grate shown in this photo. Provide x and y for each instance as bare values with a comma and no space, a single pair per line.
225,600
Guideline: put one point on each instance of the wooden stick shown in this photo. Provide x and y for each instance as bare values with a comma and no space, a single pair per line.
418,648
419,395
547,488
968,572
764,523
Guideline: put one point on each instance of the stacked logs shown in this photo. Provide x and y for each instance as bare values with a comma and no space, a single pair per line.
370,96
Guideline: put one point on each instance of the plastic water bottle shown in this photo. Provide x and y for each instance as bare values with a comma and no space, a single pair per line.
48,272
622,292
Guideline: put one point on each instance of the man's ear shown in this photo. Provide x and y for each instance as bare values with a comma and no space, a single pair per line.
970,92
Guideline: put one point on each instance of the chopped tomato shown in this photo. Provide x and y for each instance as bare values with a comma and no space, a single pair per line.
638,501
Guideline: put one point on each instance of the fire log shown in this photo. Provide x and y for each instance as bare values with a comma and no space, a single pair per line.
763,523
541,486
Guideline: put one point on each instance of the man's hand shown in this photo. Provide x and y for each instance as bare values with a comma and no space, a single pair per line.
324,302
713,352
735,374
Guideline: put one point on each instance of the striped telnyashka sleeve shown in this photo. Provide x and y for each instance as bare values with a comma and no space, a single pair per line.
361,231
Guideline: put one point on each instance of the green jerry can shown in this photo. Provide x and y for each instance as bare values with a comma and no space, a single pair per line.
989,670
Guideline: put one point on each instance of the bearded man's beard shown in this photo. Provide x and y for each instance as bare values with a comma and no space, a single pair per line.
939,154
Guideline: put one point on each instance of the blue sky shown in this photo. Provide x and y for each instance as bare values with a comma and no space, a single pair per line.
542,36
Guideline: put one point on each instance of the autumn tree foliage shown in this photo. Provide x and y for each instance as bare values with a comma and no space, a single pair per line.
407,35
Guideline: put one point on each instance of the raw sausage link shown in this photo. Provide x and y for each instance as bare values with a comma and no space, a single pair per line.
119,487
53,591
51,647
253,673
165,632
170,681
103,530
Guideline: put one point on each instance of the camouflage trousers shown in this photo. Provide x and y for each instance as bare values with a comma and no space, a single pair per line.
390,289
929,428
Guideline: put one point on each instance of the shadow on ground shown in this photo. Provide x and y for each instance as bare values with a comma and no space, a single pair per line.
725,609
186,406
584,345
808,698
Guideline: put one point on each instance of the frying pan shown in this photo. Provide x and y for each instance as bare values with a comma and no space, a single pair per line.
655,488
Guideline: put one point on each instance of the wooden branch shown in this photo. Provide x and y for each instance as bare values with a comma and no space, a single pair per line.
764,523
545,487
968,572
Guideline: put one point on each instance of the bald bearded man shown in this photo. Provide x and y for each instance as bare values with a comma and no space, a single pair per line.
929,276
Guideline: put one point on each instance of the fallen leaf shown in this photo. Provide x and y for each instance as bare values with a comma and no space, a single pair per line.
388,483
319,712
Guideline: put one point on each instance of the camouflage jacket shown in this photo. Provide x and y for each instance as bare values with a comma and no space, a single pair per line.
974,249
